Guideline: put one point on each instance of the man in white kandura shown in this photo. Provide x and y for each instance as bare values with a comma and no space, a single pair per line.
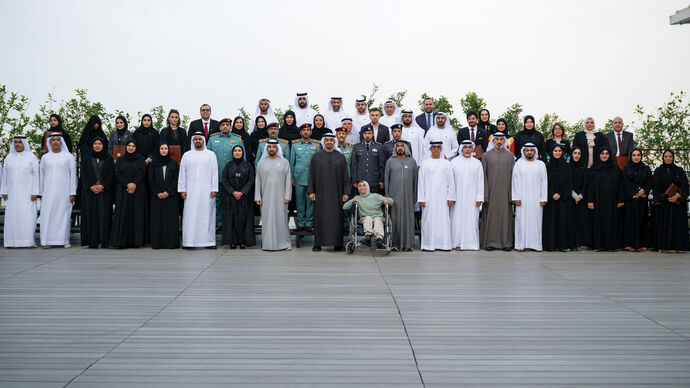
20,188
198,185
469,191
391,114
263,108
361,116
413,134
435,194
304,113
273,191
529,193
58,186
441,131
335,113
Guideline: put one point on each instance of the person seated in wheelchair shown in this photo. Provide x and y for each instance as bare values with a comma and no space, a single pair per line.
370,212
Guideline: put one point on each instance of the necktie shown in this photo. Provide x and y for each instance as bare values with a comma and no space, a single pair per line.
620,144
472,136
428,120
206,129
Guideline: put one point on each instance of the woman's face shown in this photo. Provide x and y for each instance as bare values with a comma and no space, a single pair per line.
146,122
604,156
318,121
239,124
589,124
163,150
529,124
557,152
97,146
131,148
96,126
501,126
53,122
289,120
484,116
261,123
362,188
237,153
557,131
636,156
119,124
174,119
668,157
577,154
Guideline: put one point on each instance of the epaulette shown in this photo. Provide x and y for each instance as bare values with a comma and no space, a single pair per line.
349,144
213,134
263,140
315,141
296,141
283,141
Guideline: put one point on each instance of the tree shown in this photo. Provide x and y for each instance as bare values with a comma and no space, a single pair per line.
513,118
13,117
669,128
545,124
441,104
472,103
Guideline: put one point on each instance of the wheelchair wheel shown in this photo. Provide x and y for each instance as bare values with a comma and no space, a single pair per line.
350,247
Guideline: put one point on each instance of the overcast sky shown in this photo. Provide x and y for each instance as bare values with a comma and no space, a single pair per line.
576,58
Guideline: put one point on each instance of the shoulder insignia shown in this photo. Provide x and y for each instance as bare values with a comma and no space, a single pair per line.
315,141
214,134
263,140
349,144
283,141
296,141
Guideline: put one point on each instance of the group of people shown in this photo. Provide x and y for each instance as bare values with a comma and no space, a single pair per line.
477,188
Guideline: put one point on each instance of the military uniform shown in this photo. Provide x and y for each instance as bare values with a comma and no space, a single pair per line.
346,150
222,146
368,164
300,158
284,146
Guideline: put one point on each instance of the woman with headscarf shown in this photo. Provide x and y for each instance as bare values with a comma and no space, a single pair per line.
557,228
670,216
289,130
120,136
578,172
239,129
162,181
56,127
146,137
638,184
319,129
128,228
605,193
92,130
485,123
529,134
174,134
590,142
257,134
97,178
238,210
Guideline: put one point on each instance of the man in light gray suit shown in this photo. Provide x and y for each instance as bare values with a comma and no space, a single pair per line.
621,142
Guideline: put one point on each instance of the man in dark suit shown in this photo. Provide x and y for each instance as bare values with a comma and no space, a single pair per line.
427,119
621,142
473,133
381,132
205,124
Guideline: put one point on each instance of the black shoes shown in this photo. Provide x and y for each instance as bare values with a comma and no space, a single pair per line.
316,248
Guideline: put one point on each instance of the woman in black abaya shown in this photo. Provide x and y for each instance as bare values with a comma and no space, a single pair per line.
130,199
578,173
605,193
238,210
162,180
97,178
638,184
670,212
557,226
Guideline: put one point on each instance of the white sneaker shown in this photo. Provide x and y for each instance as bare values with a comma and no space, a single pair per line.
68,246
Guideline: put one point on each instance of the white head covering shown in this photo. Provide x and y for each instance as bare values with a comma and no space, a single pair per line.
191,140
335,146
446,125
396,113
264,154
297,97
368,188
527,146
411,113
269,112
26,147
63,149
463,144
330,107
364,100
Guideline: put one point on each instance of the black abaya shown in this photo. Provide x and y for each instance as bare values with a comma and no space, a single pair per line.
605,188
128,222
96,209
328,180
557,226
636,223
670,230
238,214
165,220
581,230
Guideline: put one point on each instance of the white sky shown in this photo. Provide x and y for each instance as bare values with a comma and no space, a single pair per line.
576,58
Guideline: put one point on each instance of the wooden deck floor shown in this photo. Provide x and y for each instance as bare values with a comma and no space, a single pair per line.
105,318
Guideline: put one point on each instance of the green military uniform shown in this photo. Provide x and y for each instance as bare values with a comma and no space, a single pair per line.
262,145
347,153
300,158
222,146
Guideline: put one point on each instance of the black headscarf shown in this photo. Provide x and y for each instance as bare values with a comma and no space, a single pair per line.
256,123
579,163
241,132
556,162
239,160
607,165
524,121
159,160
289,132
632,167
104,152
120,132
58,128
142,128
502,120
134,155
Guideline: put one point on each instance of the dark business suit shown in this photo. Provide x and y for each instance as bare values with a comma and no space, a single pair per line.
627,142
381,137
481,137
421,121
198,126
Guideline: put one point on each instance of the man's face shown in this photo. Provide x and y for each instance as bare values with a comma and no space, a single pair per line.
389,109
340,135
329,142
305,132
441,121
302,102
225,128
374,116
205,112
198,142
435,151
347,126
428,105
397,133
400,149
617,124
263,106
336,105
367,136
467,151
529,153
499,142
18,145
472,120
407,119
362,188
272,149
273,132
361,107
55,144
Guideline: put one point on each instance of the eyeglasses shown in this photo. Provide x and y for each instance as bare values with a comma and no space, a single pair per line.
205,110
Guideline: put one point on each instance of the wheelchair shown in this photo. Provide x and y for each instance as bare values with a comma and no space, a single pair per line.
356,231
